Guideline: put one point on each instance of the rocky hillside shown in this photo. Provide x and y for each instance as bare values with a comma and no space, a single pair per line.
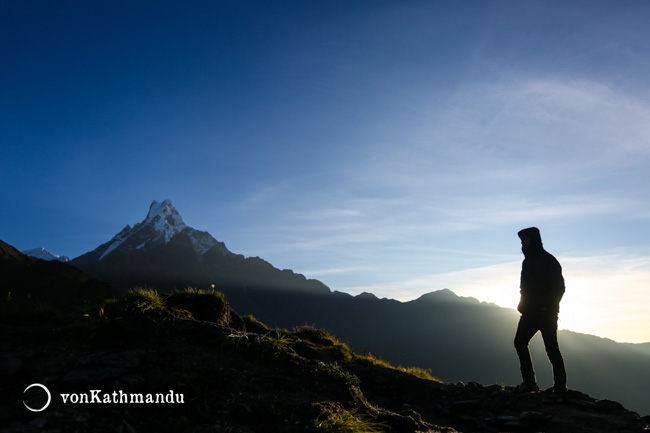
234,374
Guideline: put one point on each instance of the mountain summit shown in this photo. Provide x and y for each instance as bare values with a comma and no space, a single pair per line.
162,224
165,218
163,252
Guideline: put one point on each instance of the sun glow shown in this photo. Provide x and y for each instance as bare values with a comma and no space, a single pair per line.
592,304
607,298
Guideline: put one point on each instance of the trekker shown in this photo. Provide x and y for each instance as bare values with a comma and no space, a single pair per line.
542,288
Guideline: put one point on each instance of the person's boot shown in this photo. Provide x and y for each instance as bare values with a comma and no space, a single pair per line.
526,387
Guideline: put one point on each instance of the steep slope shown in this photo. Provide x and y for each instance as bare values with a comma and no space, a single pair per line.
231,373
163,252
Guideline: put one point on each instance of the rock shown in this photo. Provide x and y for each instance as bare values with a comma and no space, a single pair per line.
515,426
507,419
465,405
608,405
534,417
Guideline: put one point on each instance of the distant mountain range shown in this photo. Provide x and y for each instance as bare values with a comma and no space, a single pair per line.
459,339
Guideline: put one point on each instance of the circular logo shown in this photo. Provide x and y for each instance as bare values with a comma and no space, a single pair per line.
49,397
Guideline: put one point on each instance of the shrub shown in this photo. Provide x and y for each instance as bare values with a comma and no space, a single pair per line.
209,305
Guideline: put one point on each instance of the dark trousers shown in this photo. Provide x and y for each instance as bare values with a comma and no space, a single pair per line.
528,327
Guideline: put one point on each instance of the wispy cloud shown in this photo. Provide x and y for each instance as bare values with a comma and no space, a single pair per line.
551,148
537,128
320,273
491,211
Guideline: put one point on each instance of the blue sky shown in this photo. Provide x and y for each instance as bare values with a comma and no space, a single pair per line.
382,146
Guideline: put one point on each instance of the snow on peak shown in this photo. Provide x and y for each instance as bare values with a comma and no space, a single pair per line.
165,218
164,209
42,253
117,240
162,223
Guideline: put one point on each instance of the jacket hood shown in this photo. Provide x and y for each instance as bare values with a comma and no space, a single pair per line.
533,234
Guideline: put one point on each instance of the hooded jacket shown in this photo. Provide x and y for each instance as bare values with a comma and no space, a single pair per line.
542,283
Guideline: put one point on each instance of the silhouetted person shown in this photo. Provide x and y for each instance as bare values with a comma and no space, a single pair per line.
542,288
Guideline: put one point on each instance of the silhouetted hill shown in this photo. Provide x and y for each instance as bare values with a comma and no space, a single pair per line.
212,370
30,281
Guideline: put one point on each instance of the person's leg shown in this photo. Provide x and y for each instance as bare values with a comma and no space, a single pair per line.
549,334
525,332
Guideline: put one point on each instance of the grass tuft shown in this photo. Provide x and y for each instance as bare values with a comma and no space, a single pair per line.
143,299
419,372
348,422
371,359
321,338
252,324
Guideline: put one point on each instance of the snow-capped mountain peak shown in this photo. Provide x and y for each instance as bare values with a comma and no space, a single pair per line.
164,210
162,224
165,218
42,253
